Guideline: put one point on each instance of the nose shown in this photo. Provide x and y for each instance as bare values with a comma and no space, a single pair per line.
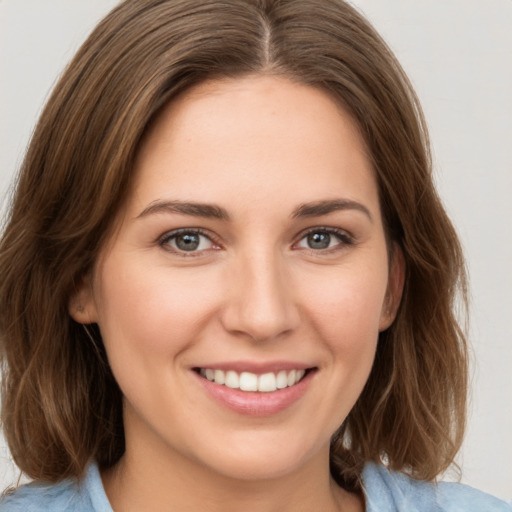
260,303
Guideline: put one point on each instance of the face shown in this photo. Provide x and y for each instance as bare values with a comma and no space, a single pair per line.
241,298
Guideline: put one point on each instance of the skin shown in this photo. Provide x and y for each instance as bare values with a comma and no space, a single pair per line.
258,147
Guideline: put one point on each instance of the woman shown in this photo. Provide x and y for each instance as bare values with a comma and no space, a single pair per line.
227,280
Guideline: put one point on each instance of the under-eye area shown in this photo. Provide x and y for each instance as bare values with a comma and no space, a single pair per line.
248,381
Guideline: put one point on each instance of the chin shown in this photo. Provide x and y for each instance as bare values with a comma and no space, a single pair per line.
263,459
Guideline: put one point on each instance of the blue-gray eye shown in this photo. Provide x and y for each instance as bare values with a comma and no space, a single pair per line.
322,239
188,241
318,240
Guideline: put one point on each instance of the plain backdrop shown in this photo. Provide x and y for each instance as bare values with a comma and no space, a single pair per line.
458,54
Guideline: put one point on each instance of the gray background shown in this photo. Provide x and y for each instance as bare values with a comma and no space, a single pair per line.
458,54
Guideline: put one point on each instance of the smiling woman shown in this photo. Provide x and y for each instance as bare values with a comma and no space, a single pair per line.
227,280
206,316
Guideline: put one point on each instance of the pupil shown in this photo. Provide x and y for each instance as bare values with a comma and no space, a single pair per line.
319,240
187,242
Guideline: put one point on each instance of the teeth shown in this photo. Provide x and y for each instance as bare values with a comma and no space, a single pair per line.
247,381
232,379
267,382
218,377
281,380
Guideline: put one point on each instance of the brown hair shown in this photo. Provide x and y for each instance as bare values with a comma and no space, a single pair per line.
61,405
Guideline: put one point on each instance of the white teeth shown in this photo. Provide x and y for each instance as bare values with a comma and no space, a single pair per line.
247,381
232,380
218,377
267,382
282,379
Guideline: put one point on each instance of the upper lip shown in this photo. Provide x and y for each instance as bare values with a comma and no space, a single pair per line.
258,368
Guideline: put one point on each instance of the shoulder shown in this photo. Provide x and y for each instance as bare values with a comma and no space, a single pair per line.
395,492
85,495
35,497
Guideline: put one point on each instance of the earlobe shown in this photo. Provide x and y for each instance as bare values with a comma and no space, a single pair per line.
81,305
395,288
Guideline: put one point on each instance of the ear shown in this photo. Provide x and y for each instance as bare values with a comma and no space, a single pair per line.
81,304
395,288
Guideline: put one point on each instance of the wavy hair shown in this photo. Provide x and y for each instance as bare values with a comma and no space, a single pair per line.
61,406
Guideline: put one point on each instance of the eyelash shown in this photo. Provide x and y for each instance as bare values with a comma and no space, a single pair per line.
344,238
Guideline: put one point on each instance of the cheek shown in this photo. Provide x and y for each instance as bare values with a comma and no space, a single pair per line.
152,311
346,313
348,305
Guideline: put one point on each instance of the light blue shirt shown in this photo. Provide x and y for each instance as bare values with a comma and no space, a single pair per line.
385,491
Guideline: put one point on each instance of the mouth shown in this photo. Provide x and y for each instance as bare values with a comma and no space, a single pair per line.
266,390
251,382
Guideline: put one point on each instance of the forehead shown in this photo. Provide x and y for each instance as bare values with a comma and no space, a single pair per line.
259,134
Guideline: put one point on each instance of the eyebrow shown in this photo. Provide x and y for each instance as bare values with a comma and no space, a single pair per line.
186,208
319,208
205,210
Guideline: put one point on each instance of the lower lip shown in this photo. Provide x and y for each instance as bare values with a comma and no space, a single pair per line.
252,403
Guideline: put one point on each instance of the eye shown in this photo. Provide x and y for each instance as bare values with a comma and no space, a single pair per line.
319,239
187,241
